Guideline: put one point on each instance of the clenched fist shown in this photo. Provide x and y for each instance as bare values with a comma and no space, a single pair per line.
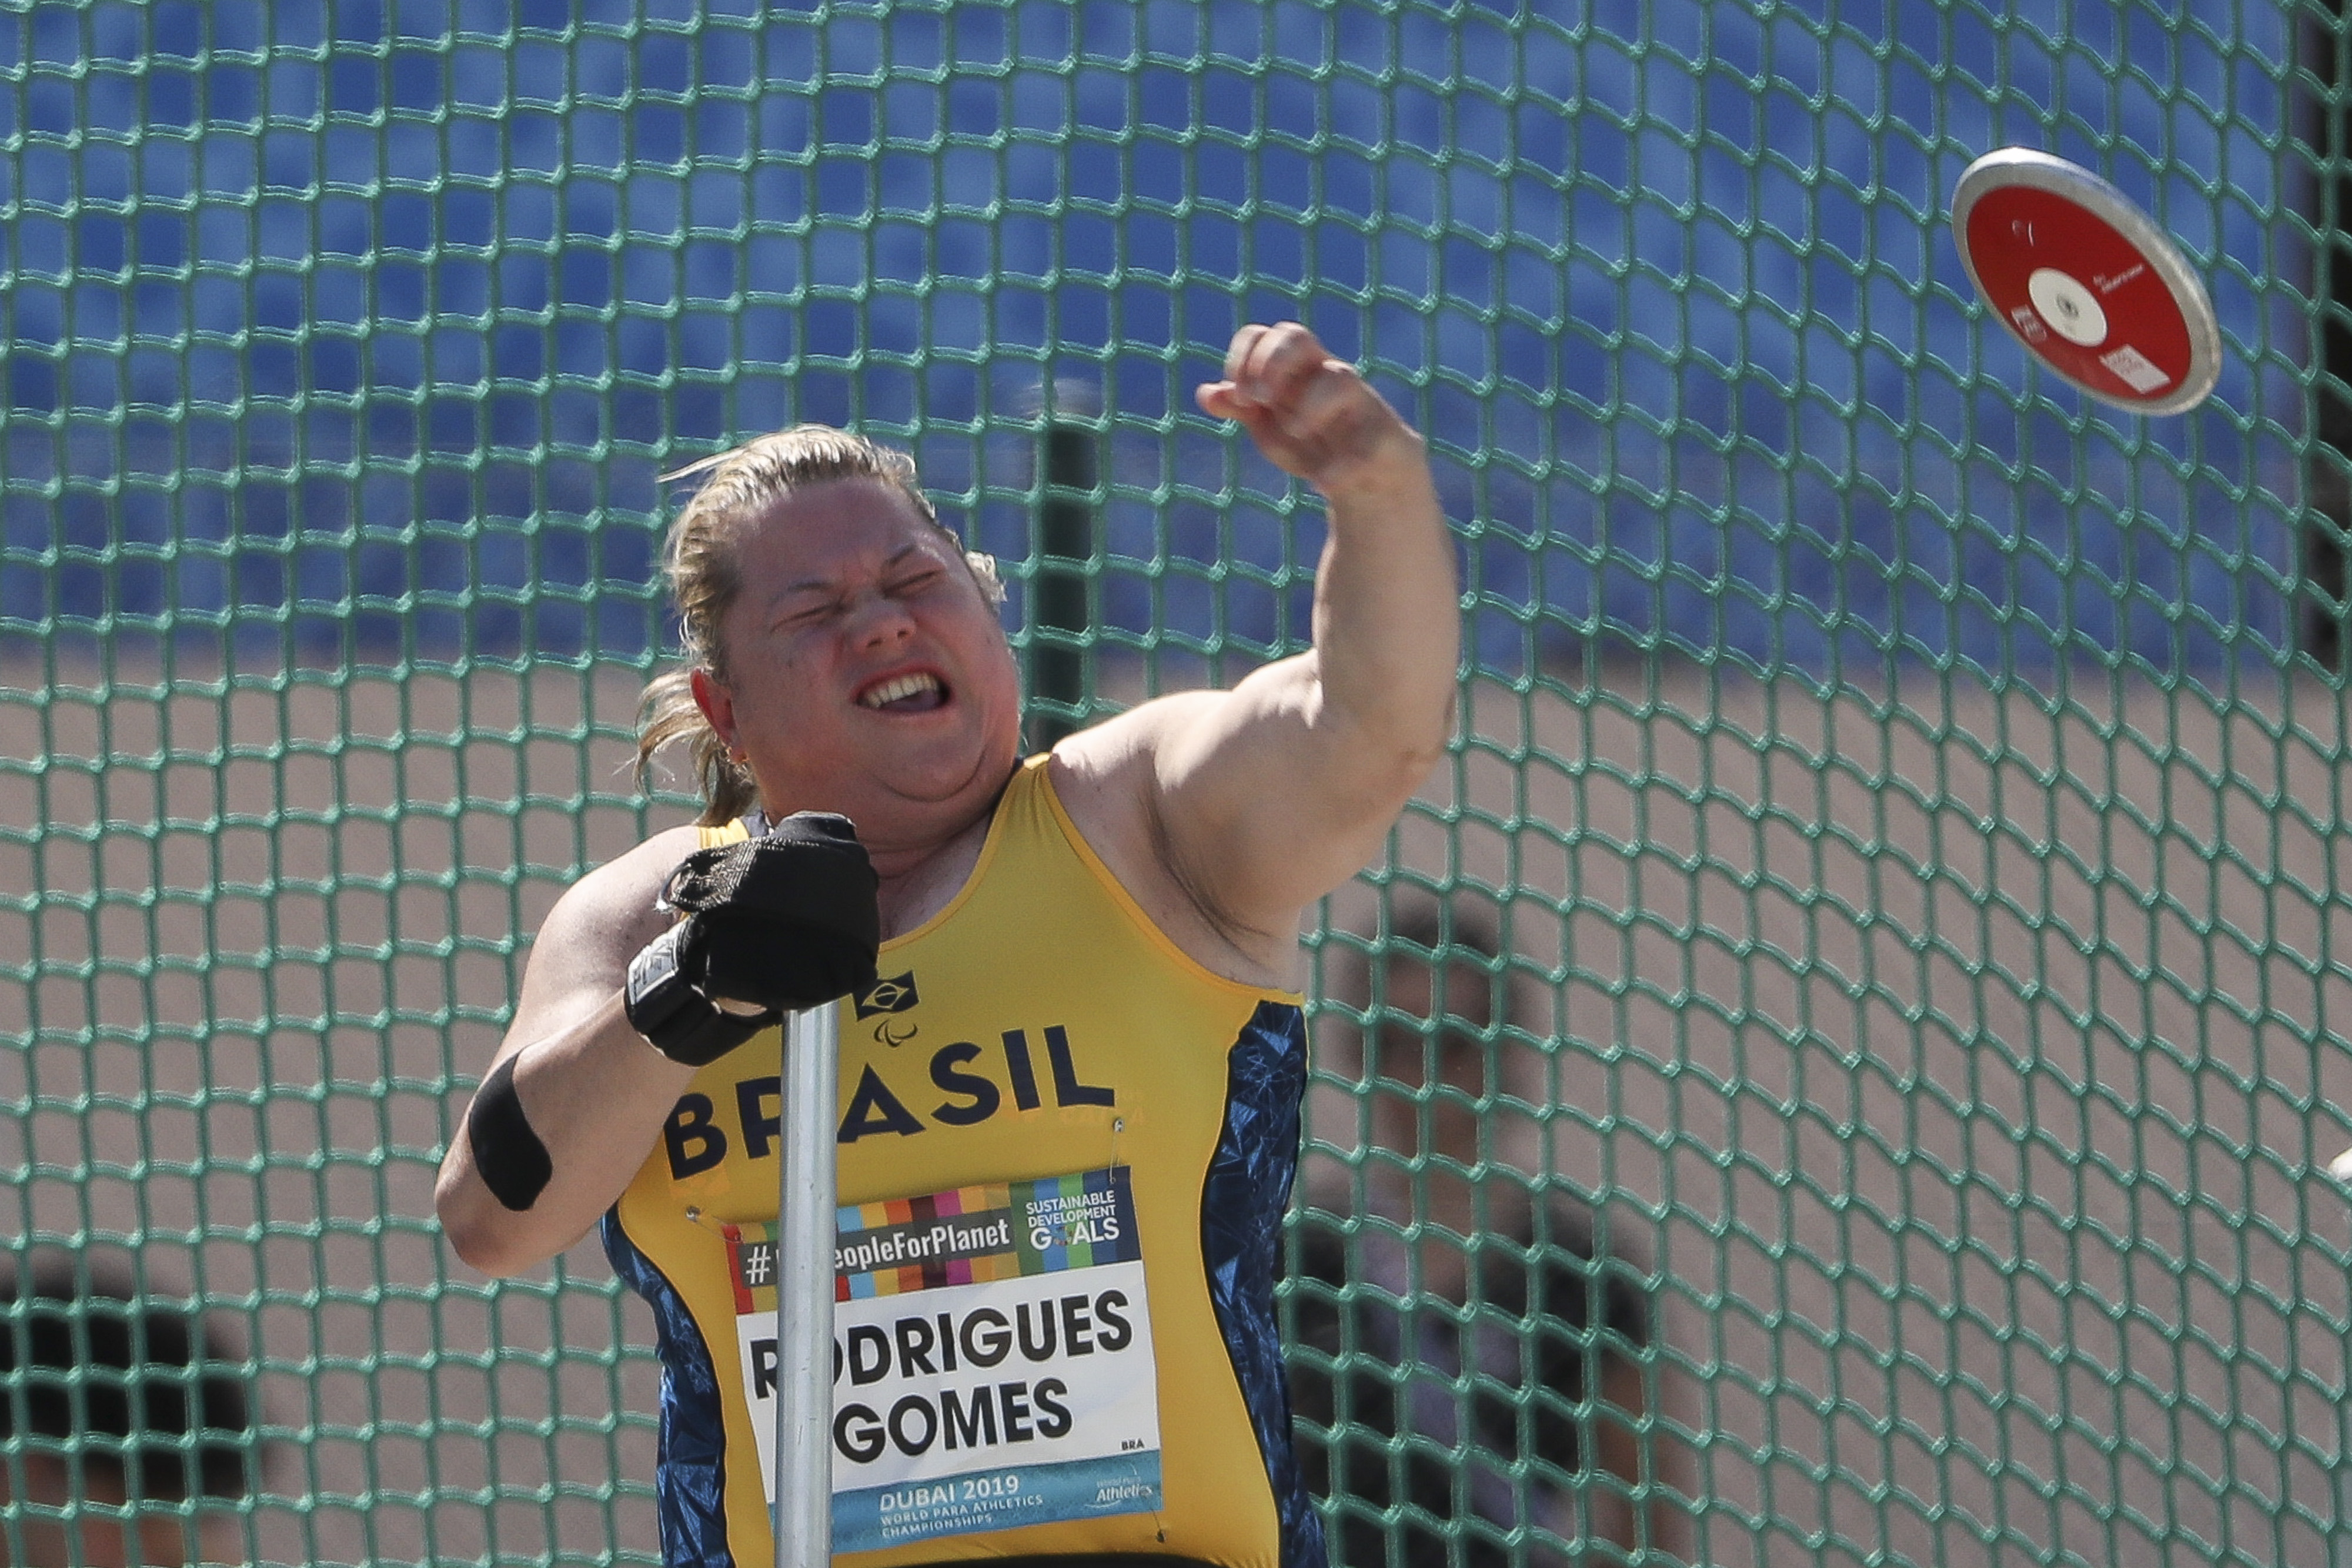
775,923
1314,416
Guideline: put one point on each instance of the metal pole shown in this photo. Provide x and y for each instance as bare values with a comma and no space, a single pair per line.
1069,467
805,1285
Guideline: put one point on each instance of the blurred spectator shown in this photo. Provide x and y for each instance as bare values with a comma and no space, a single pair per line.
1469,1346
116,1413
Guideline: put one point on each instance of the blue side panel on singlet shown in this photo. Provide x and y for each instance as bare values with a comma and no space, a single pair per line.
690,1469
1242,1205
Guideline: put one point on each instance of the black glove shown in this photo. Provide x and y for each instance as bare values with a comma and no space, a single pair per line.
782,922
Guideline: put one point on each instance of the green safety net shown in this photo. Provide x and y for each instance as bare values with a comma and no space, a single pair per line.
1865,962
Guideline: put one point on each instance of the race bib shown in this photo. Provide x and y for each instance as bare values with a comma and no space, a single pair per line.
993,1360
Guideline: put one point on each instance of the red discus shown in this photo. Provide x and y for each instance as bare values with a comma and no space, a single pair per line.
2083,279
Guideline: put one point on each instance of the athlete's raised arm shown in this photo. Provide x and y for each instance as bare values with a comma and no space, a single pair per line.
1260,799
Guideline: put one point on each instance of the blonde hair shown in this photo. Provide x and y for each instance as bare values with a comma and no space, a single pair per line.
700,562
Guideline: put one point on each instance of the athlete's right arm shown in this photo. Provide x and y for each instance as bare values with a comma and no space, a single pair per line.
594,1092
620,1006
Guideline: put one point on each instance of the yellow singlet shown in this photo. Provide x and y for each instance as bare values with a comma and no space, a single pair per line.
1065,1149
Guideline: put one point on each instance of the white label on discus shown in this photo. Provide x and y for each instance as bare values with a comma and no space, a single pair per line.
2137,370
2072,312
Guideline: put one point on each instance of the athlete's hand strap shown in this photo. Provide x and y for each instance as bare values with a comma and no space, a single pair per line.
776,924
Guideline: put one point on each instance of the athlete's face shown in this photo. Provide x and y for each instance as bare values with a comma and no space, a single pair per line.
866,672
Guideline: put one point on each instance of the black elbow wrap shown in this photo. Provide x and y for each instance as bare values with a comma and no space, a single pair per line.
507,1155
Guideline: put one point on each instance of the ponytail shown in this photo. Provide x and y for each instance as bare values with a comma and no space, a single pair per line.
666,713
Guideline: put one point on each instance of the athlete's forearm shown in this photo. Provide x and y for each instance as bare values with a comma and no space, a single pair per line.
594,1098
1387,610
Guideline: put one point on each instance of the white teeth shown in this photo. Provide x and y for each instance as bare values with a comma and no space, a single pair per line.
904,687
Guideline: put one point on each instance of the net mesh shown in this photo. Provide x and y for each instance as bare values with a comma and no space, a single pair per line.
1863,976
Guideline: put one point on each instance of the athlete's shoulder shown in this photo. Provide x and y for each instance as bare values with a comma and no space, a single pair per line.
581,952
1136,736
1109,781
1111,777
612,909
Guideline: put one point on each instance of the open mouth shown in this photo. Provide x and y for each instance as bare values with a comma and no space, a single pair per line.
917,692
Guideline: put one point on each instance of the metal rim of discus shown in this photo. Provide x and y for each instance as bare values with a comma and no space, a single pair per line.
2011,167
